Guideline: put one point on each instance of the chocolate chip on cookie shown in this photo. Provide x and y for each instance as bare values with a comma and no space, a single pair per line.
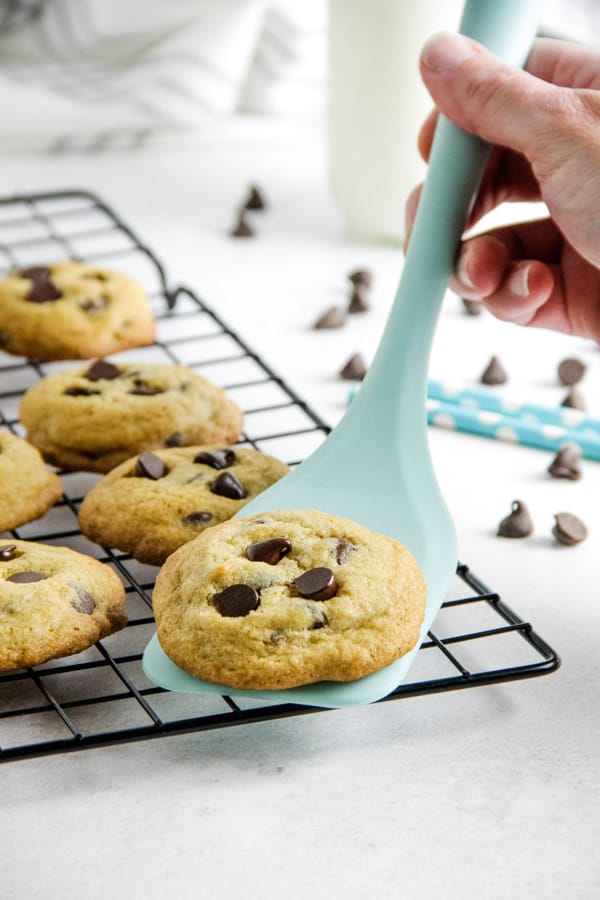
317,584
237,600
174,440
43,291
101,370
216,459
228,485
80,391
144,389
93,304
149,465
84,603
34,272
197,518
26,577
8,551
343,550
269,551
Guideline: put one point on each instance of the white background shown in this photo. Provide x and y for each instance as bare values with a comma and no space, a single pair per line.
485,793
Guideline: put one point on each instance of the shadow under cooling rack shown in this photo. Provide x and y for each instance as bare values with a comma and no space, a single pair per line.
102,696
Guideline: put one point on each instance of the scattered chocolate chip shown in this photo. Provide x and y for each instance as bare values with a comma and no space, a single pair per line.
84,603
362,277
26,577
472,307
343,549
255,200
494,373
93,304
243,228
145,390
269,551
334,317
358,300
8,551
571,371
566,463
518,524
149,465
34,272
174,440
228,485
42,291
197,518
355,369
216,459
317,584
568,529
102,370
237,600
574,400
80,391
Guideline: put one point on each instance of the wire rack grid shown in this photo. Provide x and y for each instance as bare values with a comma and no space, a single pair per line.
101,696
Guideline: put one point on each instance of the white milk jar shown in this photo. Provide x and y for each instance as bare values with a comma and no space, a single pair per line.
377,103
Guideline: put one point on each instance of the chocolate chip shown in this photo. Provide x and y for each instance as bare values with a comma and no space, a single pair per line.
355,369
334,317
197,518
93,304
227,485
574,400
494,373
343,549
102,370
255,200
237,600
42,291
8,551
84,603
216,459
269,551
518,524
317,584
149,465
145,390
358,300
174,440
472,307
566,463
243,228
320,622
362,277
34,272
571,371
568,529
26,577
80,391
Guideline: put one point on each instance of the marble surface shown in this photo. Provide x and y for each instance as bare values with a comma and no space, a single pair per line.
487,793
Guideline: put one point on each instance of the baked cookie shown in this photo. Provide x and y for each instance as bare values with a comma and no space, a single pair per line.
288,598
97,417
152,504
27,488
70,310
53,602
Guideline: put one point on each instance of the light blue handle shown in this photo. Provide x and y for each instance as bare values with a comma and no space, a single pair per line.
397,378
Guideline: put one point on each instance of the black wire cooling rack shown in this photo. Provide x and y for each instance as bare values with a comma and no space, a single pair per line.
101,696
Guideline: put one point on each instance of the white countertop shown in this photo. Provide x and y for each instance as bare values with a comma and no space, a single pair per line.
484,793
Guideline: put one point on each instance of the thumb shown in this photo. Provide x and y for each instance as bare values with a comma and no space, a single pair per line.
499,103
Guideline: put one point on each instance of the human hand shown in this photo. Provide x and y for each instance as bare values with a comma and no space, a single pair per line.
544,126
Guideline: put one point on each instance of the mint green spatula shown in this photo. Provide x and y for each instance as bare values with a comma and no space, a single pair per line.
383,434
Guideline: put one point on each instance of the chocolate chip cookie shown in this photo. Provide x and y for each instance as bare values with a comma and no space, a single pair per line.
53,602
152,504
70,310
97,417
288,598
27,488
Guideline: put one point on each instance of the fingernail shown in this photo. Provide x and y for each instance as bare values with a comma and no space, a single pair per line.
462,272
518,282
444,51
